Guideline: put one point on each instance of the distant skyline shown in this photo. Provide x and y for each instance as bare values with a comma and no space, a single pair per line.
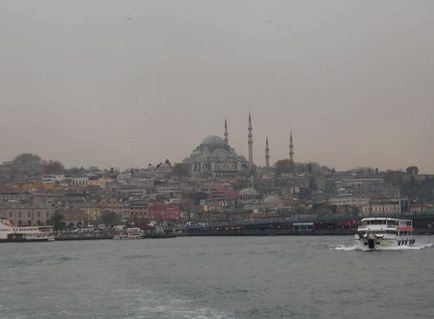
126,83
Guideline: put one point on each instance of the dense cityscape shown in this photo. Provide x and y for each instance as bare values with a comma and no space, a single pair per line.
213,186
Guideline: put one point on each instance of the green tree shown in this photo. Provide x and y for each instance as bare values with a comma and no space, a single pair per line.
181,170
26,159
53,167
57,220
110,218
285,166
412,170
313,185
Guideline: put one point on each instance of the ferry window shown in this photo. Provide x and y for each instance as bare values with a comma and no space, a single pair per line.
38,213
19,214
29,214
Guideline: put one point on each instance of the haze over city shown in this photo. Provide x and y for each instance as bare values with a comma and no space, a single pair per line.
127,83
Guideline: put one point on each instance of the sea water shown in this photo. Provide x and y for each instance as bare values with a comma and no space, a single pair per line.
216,278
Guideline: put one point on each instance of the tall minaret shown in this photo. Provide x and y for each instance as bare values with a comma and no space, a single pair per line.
267,153
291,148
226,133
250,144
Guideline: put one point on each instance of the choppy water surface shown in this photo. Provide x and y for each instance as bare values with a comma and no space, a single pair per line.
215,278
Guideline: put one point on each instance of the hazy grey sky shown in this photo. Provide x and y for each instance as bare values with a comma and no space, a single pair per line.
124,83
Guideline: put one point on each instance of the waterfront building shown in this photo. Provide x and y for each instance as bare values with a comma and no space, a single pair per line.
53,179
370,187
26,213
382,207
14,195
348,200
97,182
162,212
78,181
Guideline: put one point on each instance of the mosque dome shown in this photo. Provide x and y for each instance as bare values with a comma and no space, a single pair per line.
274,201
215,158
213,140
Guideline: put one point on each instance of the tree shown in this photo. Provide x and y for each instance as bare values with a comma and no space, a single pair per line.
313,186
26,159
310,167
181,170
52,168
110,218
75,171
57,220
412,170
285,166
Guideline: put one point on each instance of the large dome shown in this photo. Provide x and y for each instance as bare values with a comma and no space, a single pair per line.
213,140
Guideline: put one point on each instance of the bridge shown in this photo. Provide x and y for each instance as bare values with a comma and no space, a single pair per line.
327,225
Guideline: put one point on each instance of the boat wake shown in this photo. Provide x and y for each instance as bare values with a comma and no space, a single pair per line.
152,305
398,248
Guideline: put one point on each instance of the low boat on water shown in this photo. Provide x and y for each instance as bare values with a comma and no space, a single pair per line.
138,233
10,233
383,232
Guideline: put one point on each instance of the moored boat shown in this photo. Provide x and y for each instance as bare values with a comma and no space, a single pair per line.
382,232
10,233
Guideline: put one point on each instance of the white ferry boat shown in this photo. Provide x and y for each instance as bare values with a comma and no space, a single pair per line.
9,233
378,232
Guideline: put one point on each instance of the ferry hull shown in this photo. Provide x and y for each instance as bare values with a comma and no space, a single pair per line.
379,243
24,240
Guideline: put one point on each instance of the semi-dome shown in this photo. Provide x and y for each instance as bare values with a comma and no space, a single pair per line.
213,140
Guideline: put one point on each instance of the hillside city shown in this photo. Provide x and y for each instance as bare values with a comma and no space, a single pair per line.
213,185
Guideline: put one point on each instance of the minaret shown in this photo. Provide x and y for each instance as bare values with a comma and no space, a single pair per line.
226,133
250,144
291,148
267,153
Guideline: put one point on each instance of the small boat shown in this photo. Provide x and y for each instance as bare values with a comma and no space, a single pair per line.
9,233
382,232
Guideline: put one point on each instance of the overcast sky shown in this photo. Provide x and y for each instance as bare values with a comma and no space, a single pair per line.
127,83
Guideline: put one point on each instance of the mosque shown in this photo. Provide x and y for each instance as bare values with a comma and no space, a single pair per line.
215,158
